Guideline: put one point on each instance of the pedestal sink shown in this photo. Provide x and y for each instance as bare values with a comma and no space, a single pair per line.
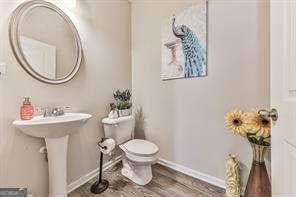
55,131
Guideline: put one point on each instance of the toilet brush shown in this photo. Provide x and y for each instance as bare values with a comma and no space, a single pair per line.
101,184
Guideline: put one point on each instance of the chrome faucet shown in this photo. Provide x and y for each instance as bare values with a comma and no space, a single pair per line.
53,111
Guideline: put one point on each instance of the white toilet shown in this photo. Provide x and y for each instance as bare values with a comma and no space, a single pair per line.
139,154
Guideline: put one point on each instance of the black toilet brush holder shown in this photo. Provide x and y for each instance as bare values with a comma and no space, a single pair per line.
101,184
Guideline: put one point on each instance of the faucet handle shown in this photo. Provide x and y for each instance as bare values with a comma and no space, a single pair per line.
39,109
59,111
63,108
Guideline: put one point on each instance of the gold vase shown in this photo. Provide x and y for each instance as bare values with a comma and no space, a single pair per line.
258,183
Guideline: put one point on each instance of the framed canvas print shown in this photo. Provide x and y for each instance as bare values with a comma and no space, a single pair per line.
184,43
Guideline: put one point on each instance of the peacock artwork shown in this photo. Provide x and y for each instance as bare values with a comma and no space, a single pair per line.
184,44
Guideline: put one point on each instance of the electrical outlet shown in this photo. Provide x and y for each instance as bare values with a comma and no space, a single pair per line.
2,70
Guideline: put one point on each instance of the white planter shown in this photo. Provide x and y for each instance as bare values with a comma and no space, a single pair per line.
124,112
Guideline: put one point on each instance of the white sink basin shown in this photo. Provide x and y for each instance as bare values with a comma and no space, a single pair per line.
55,131
52,127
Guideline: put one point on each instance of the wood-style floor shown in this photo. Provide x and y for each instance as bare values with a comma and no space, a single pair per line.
165,183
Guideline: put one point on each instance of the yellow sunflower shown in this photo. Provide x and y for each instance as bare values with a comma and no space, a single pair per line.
258,125
236,121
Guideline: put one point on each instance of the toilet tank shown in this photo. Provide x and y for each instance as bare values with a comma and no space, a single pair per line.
120,129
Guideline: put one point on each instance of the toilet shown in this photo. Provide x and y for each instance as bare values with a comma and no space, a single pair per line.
139,155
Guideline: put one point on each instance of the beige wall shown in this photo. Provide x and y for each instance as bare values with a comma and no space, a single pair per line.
185,117
104,29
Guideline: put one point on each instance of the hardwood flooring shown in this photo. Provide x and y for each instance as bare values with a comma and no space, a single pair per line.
165,183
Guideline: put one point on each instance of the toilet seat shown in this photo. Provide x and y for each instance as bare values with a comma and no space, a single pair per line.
141,160
142,148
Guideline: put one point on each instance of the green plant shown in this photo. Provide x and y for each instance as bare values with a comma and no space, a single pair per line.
122,100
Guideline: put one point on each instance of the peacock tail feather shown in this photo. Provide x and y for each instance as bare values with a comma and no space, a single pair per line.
194,52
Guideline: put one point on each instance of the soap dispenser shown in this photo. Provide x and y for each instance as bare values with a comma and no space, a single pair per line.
27,109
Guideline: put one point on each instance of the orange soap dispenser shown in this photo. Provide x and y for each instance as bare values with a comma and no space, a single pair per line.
27,109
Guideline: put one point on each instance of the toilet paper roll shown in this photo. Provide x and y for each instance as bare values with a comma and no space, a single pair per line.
109,144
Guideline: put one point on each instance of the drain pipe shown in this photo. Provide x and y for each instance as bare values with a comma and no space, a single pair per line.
43,150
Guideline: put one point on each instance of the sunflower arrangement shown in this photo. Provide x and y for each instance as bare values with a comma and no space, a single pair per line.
250,125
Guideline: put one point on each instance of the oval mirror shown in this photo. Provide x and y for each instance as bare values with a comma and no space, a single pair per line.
45,42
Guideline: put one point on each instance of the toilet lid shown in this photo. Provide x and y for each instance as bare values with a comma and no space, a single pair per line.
141,147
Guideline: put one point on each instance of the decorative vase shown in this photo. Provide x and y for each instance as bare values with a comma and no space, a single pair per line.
232,177
258,183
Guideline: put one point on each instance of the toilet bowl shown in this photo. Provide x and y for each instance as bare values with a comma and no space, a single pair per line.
139,155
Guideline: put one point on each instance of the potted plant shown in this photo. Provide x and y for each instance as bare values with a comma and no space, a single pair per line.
122,102
256,128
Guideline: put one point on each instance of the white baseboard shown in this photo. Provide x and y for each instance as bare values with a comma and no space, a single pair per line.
202,176
84,179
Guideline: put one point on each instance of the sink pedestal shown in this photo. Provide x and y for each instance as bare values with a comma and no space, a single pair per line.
57,165
55,131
